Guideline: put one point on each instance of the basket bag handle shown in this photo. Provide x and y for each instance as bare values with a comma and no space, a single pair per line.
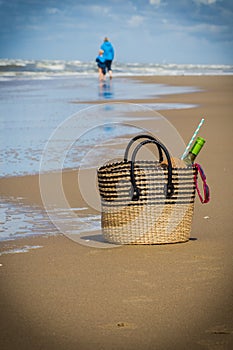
168,187
142,136
206,189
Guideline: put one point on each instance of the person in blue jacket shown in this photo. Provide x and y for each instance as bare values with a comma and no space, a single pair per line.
108,55
101,63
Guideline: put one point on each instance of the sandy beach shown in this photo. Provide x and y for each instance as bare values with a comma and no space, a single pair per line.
178,296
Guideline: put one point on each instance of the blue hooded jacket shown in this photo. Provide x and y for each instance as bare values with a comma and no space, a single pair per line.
100,61
108,50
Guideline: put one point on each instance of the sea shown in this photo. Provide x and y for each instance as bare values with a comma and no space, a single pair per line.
50,108
48,68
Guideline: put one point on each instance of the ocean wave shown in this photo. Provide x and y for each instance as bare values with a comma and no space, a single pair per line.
51,68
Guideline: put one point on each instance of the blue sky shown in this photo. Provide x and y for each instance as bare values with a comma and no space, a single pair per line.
158,31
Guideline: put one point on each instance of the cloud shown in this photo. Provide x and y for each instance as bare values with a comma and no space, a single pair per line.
98,9
52,10
135,21
156,24
208,29
205,2
155,2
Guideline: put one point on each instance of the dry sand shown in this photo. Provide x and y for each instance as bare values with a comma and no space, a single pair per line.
68,296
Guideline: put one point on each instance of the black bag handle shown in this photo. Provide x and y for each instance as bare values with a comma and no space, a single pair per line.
168,187
142,136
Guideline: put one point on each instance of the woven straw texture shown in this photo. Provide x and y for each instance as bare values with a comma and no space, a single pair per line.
153,218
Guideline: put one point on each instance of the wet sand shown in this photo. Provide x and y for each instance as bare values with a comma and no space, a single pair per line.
68,296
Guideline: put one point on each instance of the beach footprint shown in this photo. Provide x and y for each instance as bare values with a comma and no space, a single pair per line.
220,338
138,299
120,325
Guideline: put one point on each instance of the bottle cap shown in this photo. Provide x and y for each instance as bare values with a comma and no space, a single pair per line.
197,146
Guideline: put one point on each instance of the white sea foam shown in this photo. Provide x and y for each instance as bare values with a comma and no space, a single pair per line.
36,68
51,65
24,249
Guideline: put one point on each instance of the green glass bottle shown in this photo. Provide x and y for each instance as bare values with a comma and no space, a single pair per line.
190,157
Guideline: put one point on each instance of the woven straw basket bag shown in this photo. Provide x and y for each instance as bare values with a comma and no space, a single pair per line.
146,202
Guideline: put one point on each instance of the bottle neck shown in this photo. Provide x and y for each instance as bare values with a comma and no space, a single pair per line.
189,159
192,156
197,146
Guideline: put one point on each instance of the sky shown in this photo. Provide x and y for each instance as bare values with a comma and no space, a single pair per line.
145,31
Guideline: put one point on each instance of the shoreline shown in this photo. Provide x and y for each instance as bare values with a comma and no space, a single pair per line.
177,296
